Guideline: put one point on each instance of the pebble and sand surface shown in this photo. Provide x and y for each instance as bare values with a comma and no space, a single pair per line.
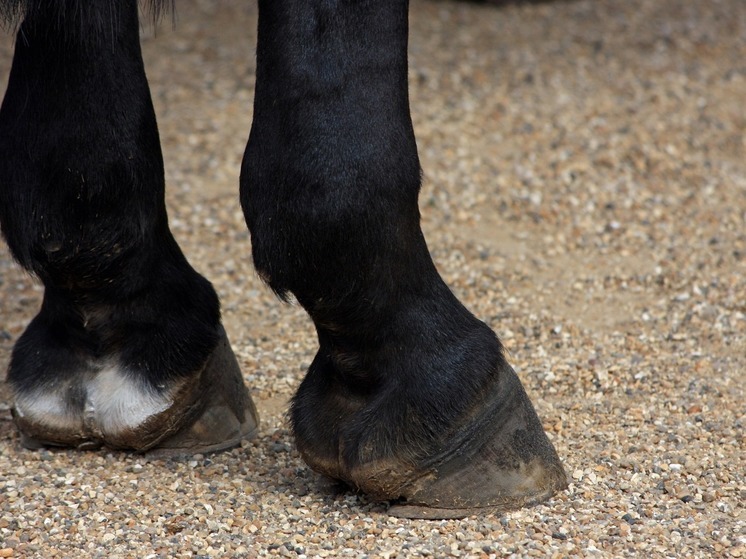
584,194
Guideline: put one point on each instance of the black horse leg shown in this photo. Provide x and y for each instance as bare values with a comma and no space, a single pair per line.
410,396
128,348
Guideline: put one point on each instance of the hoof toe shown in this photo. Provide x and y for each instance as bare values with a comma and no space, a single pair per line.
497,459
228,414
498,493
502,461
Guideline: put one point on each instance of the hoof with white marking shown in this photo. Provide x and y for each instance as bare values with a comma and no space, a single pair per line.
94,403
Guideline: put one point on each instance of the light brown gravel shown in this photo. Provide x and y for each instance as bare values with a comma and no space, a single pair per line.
585,195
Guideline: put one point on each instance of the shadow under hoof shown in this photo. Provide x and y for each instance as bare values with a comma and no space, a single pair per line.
209,411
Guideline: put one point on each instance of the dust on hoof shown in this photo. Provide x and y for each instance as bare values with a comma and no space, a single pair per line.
228,413
501,461
534,492
496,458
207,412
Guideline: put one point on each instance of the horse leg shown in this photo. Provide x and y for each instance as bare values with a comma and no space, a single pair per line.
128,349
409,397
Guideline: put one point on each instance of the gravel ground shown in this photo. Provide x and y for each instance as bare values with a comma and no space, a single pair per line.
585,194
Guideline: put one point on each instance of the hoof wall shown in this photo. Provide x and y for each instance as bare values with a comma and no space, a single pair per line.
497,507
502,460
228,414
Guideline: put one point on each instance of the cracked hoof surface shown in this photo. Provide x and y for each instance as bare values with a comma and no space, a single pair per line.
104,406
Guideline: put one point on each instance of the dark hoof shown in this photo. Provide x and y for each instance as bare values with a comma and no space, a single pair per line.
103,406
228,413
494,459
501,461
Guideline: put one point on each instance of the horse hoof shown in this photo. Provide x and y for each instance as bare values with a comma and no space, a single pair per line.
208,411
501,461
228,413
492,458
